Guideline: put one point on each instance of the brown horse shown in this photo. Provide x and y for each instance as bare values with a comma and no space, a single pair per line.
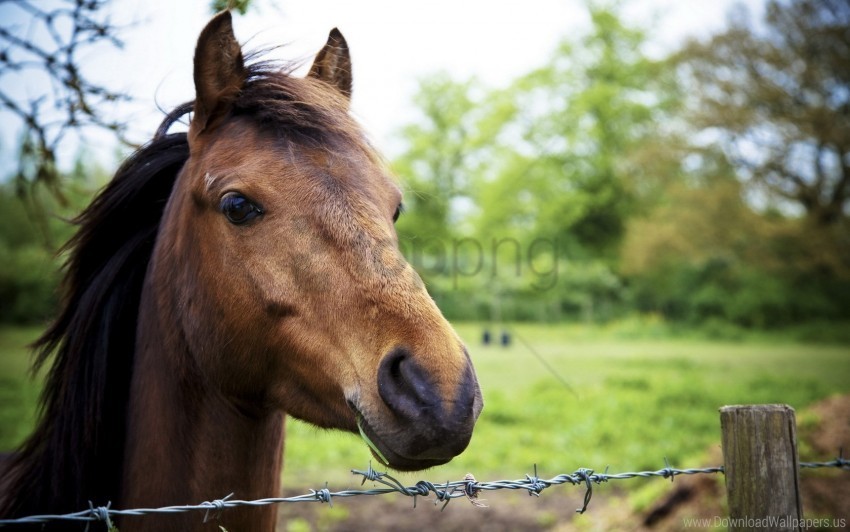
229,276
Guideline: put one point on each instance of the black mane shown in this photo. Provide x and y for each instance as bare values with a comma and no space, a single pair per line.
75,453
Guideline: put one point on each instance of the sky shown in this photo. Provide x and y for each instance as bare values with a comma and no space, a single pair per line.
393,45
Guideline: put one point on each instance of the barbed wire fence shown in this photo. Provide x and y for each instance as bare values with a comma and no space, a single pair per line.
468,488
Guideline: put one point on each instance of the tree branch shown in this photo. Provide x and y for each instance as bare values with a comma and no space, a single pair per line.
75,103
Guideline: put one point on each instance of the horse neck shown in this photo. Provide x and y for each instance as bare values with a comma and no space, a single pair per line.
187,443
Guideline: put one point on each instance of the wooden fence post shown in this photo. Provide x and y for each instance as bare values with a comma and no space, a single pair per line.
761,467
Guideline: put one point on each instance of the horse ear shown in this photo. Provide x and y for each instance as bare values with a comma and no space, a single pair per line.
219,72
333,64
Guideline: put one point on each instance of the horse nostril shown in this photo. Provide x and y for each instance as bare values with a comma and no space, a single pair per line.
404,386
423,424
394,365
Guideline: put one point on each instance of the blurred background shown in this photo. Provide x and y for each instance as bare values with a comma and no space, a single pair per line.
634,212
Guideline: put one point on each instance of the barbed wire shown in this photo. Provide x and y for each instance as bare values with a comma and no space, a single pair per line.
469,488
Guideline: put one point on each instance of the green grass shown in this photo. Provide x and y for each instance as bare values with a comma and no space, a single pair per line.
637,394
18,393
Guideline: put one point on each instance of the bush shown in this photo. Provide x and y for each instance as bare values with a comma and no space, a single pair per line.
30,235
28,284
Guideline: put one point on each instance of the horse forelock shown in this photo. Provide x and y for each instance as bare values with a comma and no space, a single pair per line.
305,110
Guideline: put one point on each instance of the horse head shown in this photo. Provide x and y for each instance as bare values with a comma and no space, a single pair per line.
278,263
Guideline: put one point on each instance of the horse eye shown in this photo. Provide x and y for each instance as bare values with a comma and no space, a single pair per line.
238,209
398,211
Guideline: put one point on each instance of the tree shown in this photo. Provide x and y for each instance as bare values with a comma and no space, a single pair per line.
40,52
587,116
446,148
778,94
546,170
443,154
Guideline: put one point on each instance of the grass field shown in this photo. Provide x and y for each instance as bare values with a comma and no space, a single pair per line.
631,399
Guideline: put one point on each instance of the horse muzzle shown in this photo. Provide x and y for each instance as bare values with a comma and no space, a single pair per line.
415,427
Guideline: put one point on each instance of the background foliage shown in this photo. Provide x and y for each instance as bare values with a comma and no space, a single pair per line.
708,185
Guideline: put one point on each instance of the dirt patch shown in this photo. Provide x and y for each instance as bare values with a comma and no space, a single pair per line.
823,429
826,492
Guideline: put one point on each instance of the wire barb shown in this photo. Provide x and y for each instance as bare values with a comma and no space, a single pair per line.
535,485
369,474
471,490
668,471
100,513
323,495
585,475
215,506
840,461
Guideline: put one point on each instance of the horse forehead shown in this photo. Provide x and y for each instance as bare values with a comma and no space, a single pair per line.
356,172
338,165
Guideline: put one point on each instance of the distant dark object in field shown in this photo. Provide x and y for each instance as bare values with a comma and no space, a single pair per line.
506,339
486,338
